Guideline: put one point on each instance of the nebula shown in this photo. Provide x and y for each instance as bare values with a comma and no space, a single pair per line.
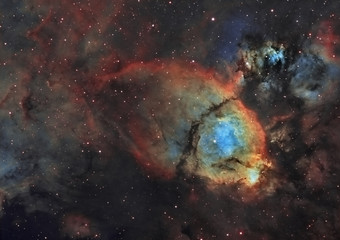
169,119
228,146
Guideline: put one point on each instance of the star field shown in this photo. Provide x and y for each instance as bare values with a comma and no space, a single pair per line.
169,120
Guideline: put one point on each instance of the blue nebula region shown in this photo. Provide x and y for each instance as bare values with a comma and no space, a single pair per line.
220,140
276,56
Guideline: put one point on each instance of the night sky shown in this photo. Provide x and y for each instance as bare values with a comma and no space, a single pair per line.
169,120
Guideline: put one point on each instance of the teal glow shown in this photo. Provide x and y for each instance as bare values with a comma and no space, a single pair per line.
220,140
275,56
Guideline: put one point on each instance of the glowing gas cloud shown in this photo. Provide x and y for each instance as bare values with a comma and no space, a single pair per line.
193,124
